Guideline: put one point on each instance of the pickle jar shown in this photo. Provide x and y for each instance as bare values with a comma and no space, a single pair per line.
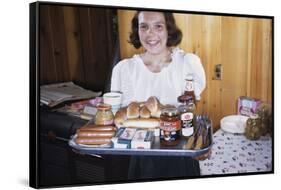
104,115
265,113
170,127
253,129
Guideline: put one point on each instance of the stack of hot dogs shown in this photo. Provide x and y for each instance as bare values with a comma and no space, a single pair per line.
95,134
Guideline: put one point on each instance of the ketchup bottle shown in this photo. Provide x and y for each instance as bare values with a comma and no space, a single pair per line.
188,91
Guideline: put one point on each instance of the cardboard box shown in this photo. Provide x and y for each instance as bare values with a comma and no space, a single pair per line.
247,106
143,139
123,137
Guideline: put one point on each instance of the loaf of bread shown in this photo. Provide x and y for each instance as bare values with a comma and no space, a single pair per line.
140,114
146,123
133,110
144,112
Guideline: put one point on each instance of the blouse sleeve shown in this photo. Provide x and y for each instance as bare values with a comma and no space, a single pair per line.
120,81
115,79
196,69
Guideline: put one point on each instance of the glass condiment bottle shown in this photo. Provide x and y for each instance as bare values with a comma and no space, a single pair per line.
170,127
104,115
188,92
253,129
187,115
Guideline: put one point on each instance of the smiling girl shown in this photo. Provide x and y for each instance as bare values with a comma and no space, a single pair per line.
162,68
159,71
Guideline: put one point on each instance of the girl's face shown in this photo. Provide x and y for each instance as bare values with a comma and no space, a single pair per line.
153,32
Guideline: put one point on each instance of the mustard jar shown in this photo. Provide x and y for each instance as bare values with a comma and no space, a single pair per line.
253,129
104,115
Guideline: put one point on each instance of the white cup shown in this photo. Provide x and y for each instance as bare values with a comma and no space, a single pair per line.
114,99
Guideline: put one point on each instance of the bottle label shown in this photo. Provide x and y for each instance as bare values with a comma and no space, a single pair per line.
187,123
170,126
104,122
187,131
170,131
187,116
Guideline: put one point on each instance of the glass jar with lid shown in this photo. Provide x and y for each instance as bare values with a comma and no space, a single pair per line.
265,113
170,127
253,129
104,115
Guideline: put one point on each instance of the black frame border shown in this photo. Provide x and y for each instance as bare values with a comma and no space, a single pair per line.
34,88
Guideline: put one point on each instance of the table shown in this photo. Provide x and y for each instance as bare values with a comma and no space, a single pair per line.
233,153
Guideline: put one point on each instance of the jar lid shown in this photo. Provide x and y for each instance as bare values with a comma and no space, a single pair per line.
170,111
183,108
103,106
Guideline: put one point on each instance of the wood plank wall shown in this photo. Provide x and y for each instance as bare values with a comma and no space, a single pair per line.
76,44
241,45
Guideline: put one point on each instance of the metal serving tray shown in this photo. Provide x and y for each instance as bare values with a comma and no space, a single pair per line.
156,148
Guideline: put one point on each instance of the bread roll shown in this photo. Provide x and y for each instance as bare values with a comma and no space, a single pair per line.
157,113
144,112
141,104
120,116
133,110
152,104
160,108
147,123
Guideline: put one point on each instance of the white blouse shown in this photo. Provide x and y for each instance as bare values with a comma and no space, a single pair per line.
137,83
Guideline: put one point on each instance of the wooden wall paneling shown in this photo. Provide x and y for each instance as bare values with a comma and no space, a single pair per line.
73,44
59,43
182,23
124,23
234,53
98,39
268,40
261,60
96,44
48,72
112,48
109,38
211,56
76,44
87,46
101,24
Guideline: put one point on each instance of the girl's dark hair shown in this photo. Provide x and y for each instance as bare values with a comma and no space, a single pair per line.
174,33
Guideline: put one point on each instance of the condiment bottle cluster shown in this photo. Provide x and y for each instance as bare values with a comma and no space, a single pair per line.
177,122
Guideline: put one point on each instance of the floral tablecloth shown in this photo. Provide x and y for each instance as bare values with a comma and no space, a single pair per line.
233,153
